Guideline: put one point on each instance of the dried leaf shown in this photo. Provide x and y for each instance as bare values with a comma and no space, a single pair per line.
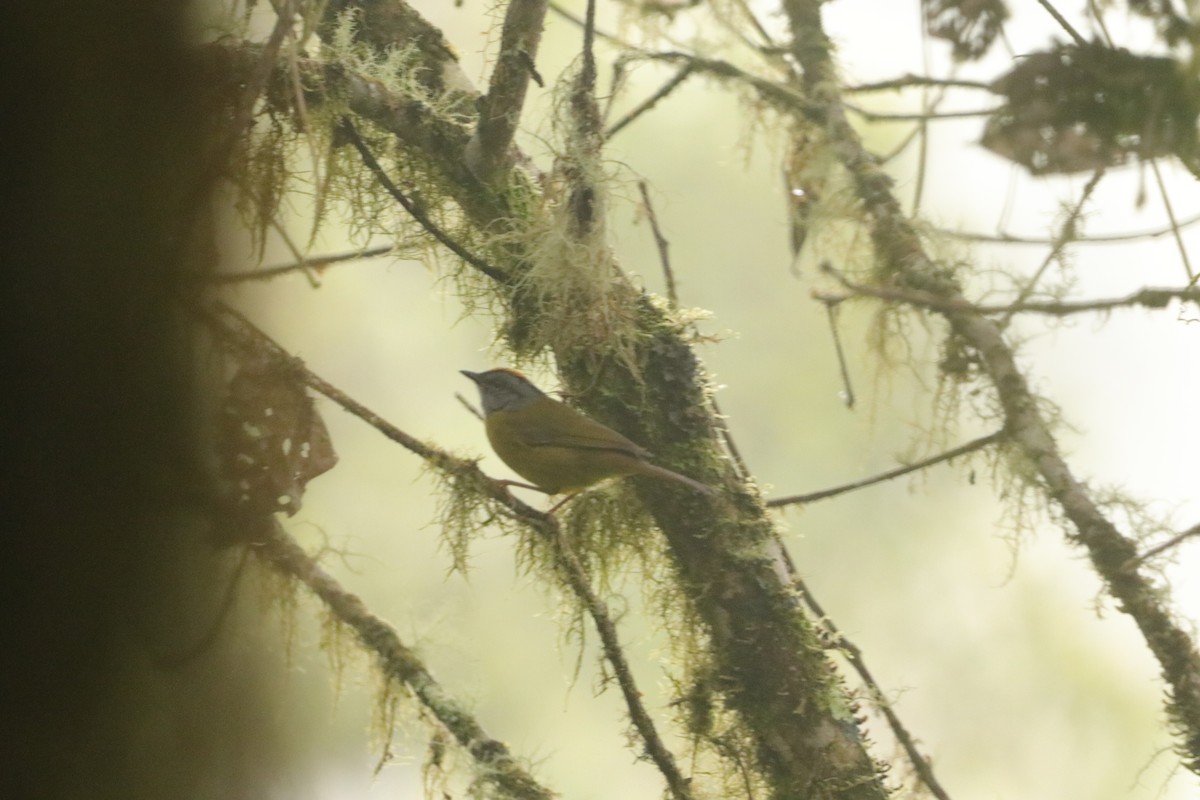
1075,109
273,441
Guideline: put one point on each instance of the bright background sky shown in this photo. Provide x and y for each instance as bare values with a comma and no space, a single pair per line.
1002,656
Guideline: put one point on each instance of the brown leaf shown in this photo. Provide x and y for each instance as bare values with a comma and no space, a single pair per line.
273,441
1076,109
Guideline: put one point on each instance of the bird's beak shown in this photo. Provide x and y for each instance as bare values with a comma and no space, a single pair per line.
472,375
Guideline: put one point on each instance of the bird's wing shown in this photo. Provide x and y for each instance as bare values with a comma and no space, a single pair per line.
559,425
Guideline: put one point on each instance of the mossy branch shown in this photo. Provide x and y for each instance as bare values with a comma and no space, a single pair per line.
401,664
773,671
397,660
905,265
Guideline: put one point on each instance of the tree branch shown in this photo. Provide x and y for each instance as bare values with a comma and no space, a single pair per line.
780,687
1164,546
961,450
1065,236
1149,297
1006,238
650,102
576,575
488,152
351,133
304,264
901,254
397,659
854,655
916,81
778,95
402,665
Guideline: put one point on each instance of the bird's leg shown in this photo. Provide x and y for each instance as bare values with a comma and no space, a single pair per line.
507,483
563,502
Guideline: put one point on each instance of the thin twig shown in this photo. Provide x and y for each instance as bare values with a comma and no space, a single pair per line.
854,655
1101,239
922,165
776,94
587,74
1141,558
916,81
575,19
1066,234
664,255
963,449
1062,21
1149,297
469,406
1005,238
253,86
673,298
743,470
831,315
767,41
1098,15
307,263
300,107
420,216
247,337
286,238
902,145
1166,198
918,116
734,26
671,85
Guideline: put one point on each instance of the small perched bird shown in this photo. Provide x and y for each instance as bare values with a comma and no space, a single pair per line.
553,446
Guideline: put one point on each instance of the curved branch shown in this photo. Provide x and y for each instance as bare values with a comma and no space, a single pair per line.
351,133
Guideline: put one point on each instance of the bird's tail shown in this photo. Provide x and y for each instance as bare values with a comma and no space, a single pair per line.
646,468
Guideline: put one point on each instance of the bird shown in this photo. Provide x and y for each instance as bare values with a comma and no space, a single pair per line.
554,447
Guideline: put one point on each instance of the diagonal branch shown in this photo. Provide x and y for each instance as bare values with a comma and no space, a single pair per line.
961,450
650,102
351,133
920,764
1065,236
401,664
678,785
902,256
